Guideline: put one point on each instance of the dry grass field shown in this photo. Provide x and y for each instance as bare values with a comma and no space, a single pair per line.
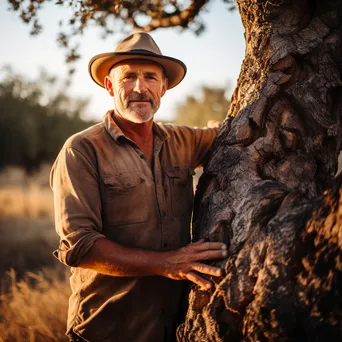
34,286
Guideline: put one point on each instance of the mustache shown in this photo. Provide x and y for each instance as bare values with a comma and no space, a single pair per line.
139,97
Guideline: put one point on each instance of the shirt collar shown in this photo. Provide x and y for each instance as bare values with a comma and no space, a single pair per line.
112,128
115,132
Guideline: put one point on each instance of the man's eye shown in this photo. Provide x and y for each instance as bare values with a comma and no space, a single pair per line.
129,77
151,77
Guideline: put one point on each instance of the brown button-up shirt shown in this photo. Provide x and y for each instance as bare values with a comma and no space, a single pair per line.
104,187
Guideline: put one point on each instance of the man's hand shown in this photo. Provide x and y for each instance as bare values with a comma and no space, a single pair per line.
214,124
184,263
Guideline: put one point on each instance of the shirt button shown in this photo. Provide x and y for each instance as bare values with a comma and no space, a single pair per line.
164,213
141,156
165,245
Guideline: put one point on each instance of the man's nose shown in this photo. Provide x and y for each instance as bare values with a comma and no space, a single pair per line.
140,85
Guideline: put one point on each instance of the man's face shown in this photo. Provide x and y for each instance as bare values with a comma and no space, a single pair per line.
137,87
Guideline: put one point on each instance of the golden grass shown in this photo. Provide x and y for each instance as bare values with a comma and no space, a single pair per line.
34,309
34,299
34,287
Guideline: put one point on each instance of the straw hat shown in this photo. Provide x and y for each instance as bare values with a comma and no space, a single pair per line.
138,45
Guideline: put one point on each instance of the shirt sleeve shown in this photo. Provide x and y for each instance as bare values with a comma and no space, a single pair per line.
203,139
77,200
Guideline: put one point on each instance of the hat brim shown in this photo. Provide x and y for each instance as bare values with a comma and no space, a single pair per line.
100,65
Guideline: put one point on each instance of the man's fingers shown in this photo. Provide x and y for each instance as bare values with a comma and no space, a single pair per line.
206,269
204,246
211,255
213,123
195,278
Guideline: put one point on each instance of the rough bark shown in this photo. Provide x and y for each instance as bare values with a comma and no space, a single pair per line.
262,191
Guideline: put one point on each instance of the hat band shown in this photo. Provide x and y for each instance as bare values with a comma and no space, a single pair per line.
140,51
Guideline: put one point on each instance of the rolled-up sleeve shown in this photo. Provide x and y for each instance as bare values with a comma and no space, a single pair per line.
77,200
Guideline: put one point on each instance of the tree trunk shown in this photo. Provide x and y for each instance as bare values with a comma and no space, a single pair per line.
262,188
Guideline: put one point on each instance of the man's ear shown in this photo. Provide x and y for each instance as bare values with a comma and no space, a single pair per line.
109,85
165,86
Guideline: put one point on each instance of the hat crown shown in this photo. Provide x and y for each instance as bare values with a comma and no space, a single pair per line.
138,41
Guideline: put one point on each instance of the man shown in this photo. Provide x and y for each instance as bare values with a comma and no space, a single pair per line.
123,201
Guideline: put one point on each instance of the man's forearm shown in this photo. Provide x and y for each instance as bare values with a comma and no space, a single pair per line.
108,257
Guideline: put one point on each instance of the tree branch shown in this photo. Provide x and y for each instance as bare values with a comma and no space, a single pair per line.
177,18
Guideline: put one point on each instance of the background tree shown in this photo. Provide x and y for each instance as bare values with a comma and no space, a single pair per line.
210,104
35,123
262,188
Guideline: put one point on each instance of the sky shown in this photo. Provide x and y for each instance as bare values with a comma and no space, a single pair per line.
212,59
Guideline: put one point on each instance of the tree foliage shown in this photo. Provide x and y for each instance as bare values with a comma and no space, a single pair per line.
212,104
114,16
33,124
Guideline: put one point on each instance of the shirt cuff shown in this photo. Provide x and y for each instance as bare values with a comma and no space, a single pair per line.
72,254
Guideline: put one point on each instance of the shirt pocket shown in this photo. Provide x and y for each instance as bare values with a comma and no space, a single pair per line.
125,199
181,190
